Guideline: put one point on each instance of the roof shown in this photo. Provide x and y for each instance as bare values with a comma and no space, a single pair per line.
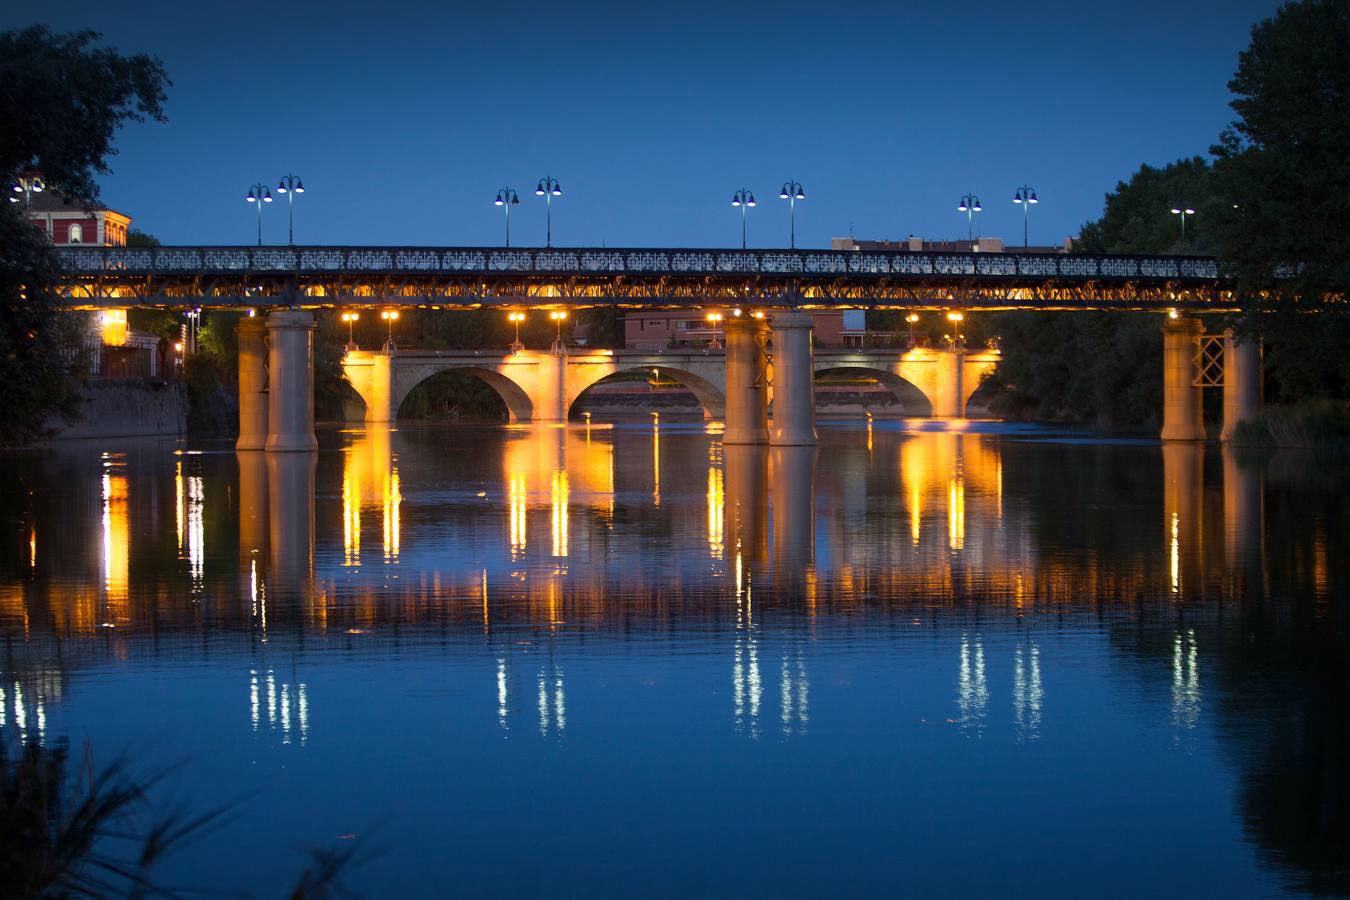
53,201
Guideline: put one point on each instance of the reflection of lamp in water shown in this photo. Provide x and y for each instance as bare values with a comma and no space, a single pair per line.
656,458
116,537
716,501
350,318
558,495
515,498
515,318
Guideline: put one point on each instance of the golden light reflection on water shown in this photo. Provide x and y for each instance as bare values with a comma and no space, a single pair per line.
716,502
116,541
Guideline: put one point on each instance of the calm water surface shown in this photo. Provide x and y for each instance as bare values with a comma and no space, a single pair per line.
628,660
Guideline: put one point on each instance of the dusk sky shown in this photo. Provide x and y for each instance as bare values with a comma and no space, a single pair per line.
404,118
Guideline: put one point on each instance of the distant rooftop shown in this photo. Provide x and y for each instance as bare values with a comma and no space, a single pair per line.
53,202
916,244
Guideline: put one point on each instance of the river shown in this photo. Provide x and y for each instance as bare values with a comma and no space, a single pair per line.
617,660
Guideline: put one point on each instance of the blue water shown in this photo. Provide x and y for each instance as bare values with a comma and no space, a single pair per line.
618,661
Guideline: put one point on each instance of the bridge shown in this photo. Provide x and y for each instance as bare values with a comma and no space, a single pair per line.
540,386
476,277
769,355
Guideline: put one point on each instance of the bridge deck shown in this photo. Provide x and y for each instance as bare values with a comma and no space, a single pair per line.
474,277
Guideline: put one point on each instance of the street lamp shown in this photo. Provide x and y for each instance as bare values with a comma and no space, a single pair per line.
1183,211
290,186
792,192
912,319
350,318
507,198
390,316
744,199
715,321
970,205
27,185
957,339
548,188
1026,196
258,195
558,316
515,318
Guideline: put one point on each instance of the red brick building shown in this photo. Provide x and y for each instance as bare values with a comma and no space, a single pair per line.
68,224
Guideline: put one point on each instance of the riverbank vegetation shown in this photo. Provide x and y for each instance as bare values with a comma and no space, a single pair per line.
1270,203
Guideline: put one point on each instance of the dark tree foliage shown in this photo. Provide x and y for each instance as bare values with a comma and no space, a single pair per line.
64,99
1282,173
1105,368
61,100
36,374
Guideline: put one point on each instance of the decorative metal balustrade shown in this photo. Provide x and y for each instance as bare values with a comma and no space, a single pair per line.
467,277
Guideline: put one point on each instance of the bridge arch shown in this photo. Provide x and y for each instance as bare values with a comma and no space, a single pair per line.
711,396
519,406
914,401
383,382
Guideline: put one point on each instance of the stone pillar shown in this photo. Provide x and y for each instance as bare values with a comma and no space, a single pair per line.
1183,406
290,407
252,334
794,382
549,398
949,393
747,402
1241,382
380,388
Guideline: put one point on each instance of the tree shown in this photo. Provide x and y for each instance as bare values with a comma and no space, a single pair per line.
1105,368
1283,175
61,104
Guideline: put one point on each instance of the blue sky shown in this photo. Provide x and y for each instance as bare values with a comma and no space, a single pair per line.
405,118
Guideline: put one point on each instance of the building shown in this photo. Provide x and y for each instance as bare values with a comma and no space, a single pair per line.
69,223
656,330
916,244
112,349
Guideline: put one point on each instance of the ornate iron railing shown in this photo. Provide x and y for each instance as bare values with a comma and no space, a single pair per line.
644,262
480,276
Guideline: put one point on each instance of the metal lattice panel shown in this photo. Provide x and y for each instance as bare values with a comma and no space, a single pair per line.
471,276
1208,370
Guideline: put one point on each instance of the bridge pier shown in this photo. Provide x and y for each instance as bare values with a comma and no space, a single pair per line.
252,334
1183,406
949,395
1241,382
380,395
290,395
794,389
747,402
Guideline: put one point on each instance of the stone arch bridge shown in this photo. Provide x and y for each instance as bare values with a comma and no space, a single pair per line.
542,386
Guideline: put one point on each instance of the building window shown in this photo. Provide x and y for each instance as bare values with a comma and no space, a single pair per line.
76,234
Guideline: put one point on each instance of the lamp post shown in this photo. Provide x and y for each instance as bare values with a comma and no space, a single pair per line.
558,316
1183,211
970,205
956,338
390,316
744,199
911,320
507,198
715,322
351,318
258,195
27,186
1026,196
291,185
792,192
515,318
548,188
